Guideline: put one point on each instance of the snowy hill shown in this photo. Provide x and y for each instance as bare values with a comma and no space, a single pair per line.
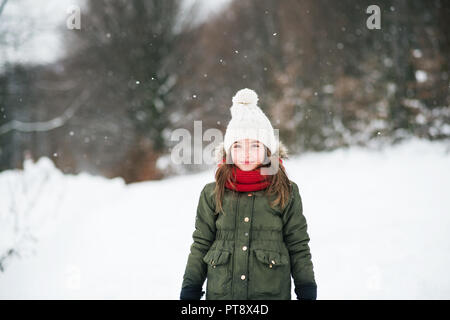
378,222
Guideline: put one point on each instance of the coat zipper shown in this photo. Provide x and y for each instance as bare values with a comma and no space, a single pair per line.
234,253
249,243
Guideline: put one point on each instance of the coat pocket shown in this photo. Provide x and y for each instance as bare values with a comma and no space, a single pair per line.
218,274
270,272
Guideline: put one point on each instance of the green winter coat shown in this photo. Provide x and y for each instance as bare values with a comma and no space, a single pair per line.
251,251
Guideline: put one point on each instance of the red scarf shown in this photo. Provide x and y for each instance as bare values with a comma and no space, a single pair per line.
247,181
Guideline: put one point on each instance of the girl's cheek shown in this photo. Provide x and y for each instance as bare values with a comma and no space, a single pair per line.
236,156
260,156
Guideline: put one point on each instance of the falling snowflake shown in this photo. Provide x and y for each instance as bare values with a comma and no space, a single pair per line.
421,76
417,53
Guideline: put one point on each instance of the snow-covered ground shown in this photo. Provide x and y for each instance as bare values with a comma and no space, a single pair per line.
379,223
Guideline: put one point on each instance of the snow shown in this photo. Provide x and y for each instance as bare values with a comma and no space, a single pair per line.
417,53
421,76
378,222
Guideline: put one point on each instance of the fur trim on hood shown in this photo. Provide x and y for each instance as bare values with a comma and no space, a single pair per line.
219,151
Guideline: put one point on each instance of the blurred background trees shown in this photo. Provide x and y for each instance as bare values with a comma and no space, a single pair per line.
139,69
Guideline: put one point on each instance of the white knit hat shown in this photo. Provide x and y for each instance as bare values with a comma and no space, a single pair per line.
248,121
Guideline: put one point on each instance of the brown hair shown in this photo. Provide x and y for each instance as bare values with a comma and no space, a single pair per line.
279,182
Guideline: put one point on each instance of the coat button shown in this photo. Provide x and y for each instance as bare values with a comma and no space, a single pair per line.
246,234
246,219
244,248
243,277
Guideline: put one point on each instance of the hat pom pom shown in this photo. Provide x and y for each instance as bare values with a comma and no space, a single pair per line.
245,96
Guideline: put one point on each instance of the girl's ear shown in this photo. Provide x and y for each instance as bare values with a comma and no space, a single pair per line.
229,159
266,156
219,153
266,159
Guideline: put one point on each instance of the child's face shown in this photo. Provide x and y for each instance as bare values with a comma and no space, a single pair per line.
247,154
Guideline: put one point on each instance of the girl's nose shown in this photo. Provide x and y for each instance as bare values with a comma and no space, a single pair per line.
247,150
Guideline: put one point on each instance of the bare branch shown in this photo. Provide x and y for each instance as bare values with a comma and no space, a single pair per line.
46,125
2,6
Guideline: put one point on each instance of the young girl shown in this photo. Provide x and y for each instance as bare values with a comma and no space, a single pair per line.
250,232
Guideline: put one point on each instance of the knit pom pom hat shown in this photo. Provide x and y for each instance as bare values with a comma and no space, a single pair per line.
248,121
